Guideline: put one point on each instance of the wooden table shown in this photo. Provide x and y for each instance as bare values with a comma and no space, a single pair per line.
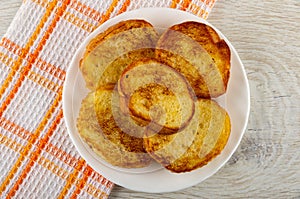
267,163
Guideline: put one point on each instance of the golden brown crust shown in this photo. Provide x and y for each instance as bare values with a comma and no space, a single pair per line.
193,147
158,94
196,50
111,51
114,30
105,137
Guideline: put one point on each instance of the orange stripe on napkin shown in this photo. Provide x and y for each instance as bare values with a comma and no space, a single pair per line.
31,140
51,69
82,182
185,4
11,46
111,8
8,61
42,3
199,11
26,49
51,166
10,143
211,3
86,10
79,22
61,155
174,3
33,76
44,82
5,59
34,156
72,178
96,192
17,130
124,6
41,64
100,18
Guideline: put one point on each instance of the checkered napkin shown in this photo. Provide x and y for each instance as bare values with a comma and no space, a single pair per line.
37,157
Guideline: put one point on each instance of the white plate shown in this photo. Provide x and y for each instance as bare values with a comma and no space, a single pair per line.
154,178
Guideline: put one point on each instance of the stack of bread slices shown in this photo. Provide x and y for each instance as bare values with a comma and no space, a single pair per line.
151,96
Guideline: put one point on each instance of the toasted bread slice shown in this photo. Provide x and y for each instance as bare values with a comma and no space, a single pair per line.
115,124
111,51
193,147
156,92
103,129
196,50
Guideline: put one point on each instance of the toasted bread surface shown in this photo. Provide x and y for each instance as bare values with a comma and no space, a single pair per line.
117,126
155,92
111,51
100,131
193,147
196,50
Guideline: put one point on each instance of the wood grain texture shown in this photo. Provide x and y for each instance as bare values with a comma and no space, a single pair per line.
8,9
266,35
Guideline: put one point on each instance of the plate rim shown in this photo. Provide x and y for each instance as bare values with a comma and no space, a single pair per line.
66,95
